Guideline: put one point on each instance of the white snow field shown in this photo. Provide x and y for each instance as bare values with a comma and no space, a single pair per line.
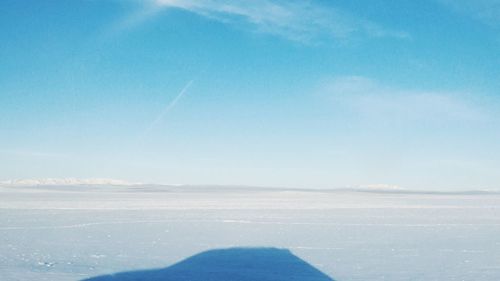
74,232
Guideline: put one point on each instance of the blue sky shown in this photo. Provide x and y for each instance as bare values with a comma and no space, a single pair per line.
276,93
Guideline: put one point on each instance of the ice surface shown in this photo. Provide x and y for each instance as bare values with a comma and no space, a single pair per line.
77,232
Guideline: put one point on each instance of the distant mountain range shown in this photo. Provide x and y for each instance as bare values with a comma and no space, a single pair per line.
375,188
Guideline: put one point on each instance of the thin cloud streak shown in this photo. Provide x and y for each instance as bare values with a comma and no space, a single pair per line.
29,153
302,21
168,108
370,98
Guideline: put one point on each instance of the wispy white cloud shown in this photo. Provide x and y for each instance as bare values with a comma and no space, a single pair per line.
30,153
302,21
375,100
487,11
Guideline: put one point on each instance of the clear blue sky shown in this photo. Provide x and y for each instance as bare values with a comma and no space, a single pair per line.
275,93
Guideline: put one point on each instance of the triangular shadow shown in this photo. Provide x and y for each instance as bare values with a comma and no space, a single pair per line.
233,264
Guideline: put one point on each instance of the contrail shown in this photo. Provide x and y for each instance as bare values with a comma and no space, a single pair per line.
169,107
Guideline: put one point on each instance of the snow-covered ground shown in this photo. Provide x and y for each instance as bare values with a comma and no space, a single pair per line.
76,231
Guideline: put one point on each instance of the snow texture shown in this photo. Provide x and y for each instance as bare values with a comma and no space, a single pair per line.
76,232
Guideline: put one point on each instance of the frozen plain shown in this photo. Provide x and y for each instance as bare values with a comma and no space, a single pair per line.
61,233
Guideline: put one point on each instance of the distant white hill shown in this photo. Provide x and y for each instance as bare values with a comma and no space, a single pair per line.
65,181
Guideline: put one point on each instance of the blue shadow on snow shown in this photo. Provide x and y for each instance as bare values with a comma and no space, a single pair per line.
233,264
